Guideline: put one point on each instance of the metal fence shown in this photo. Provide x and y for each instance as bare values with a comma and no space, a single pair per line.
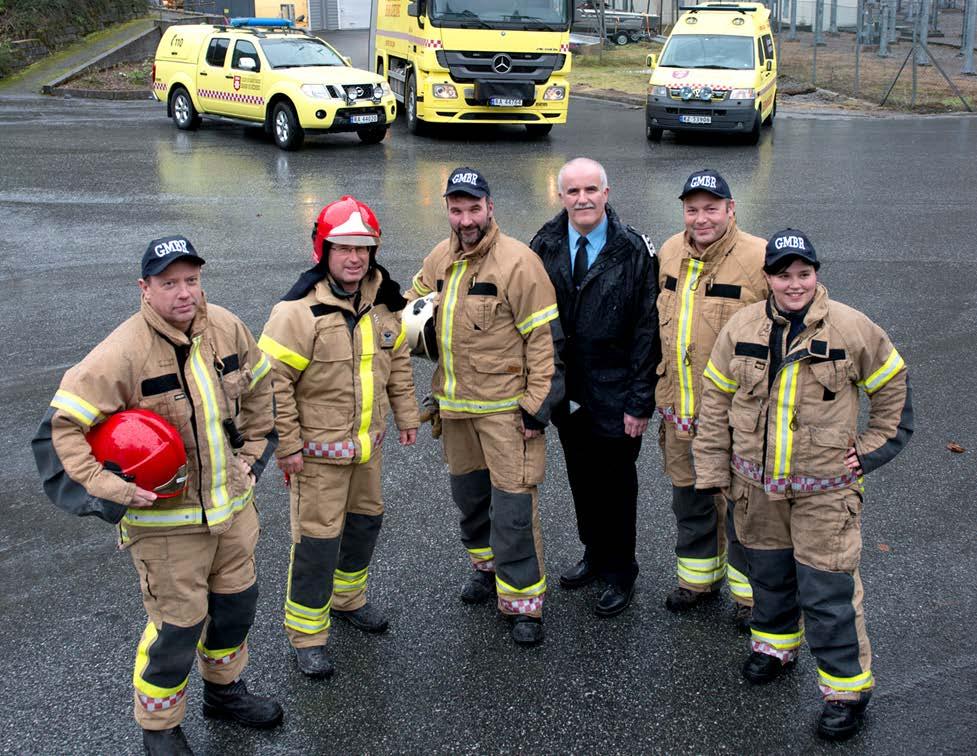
904,53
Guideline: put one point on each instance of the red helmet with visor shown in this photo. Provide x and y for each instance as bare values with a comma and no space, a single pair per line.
345,221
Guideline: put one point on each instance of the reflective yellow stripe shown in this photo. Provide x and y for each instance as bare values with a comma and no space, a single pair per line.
217,515
218,654
419,286
784,440
219,499
722,382
710,563
477,406
149,636
260,371
282,353
448,306
893,364
482,555
304,619
365,327
684,336
780,641
345,582
72,404
864,681
536,589
701,571
403,335
538,318
739,584
163,518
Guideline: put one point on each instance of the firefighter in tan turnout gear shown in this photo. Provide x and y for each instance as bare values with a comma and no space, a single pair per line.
339,362
778,430
197,367
497,380
706,274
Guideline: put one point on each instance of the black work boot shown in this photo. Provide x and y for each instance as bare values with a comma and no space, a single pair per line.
313,662
367,618
742,617
479,588
763,668
233,702
840,720
682,599
526,630
169,742
581,574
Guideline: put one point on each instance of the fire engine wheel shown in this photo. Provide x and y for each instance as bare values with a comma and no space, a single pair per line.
538,130
184,114
372,135
414,124
285,127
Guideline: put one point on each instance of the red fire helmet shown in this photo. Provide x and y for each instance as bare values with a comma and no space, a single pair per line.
143,448
345,221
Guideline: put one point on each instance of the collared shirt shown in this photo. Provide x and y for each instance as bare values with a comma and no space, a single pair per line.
596,240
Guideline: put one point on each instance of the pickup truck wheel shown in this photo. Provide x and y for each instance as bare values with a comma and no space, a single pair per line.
538,130
184,114
654,133
414,124
372,135
285,127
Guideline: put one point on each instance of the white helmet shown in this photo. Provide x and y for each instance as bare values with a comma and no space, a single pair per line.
419,323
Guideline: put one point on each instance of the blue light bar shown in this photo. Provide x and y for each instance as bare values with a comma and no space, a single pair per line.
273,22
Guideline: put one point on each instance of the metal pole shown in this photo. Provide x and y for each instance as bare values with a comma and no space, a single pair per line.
884,31
922,32
914,51
819,23
814,45
968,42
893,31
966,24
833,23
860,9
793,20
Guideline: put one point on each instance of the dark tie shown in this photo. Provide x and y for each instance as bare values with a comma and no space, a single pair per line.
580,262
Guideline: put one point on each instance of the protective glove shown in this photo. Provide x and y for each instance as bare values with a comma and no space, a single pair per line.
430,413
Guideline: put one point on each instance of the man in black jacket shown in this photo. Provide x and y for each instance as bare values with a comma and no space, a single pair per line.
605,275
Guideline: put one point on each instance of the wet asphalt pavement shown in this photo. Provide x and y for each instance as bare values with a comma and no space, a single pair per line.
890,207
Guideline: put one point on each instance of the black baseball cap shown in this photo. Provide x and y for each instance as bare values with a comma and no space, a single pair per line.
466,180
709,181
163,252
787,245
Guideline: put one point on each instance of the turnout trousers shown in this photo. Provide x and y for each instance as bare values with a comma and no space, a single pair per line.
803,556
336,513
604,483
706,543
200,592
494,477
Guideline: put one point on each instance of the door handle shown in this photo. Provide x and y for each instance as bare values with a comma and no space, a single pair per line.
229,76
203,73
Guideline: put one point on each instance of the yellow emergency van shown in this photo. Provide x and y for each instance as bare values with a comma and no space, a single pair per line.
264,71
717,72
477,61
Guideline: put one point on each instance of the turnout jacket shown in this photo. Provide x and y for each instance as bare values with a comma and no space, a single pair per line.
497,326
194,381
700,292
610,324
782,416
339,364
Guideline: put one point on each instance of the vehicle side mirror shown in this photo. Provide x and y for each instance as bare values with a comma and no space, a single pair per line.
347,60
769,65
651,60
248,64
412,10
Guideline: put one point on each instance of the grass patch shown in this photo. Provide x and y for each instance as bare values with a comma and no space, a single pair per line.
124,77
623,69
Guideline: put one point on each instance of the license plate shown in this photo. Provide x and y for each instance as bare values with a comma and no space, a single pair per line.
372,118
505,102
695,119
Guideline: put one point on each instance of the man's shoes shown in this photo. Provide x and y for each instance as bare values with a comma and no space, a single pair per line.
235,703
169,742
526,630
614,600
479,588
682,599
578,576
763,668
742,617
840,720
313,662
367,618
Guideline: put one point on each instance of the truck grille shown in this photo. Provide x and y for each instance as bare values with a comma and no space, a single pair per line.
468,65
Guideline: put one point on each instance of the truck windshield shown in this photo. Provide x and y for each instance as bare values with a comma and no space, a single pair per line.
708,51
545,15
293,53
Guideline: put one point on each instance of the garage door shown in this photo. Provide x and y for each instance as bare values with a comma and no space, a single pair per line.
354,14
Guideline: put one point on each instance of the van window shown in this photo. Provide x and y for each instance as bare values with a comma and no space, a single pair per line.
759,51
244,49
768,46
217,51
708,51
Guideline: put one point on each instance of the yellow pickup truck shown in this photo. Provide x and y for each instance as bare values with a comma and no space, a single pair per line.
258,71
